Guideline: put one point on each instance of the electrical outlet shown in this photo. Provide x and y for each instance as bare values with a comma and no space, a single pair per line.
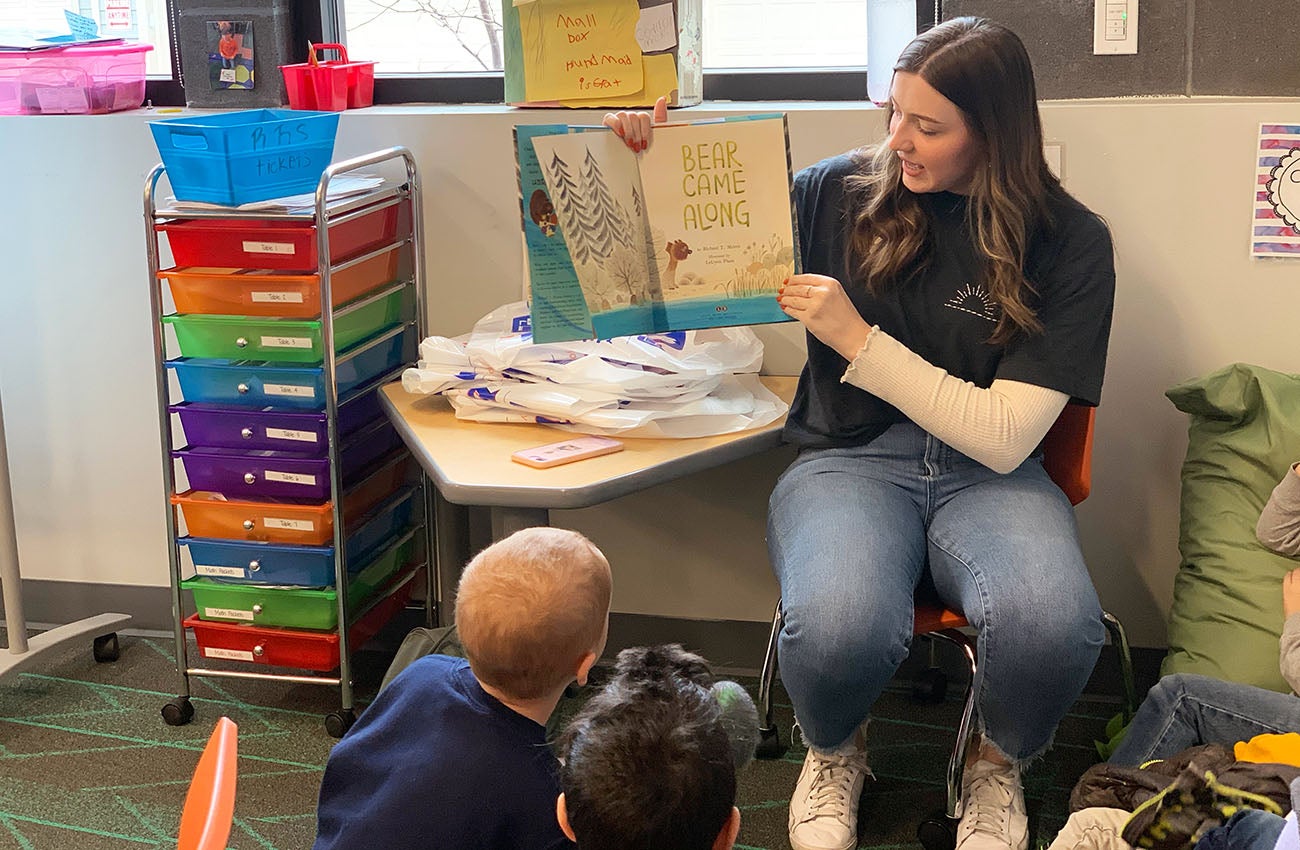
1114,27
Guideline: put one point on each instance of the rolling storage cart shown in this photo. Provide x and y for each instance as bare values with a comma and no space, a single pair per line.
303,528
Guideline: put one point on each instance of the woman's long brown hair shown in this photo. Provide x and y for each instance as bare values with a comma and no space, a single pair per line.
984,69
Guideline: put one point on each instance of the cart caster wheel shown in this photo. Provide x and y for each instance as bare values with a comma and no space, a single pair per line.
937,832
337,723
106,648
769,744
931,685
178,712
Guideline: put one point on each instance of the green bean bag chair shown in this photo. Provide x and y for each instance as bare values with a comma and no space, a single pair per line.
1243,436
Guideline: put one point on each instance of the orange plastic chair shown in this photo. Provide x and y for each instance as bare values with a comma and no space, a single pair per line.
210,802
1067,458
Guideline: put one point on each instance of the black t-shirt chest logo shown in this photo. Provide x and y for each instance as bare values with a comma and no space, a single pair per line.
974,299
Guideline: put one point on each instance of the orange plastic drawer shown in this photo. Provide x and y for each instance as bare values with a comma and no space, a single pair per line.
255,292
298,522
303,650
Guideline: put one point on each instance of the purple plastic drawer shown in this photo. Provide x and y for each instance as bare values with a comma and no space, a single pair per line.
250,429
237,473
357,412
359,453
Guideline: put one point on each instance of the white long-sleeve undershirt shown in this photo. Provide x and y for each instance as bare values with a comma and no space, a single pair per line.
998,426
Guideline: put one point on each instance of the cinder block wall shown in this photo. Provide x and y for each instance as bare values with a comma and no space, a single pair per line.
1185,47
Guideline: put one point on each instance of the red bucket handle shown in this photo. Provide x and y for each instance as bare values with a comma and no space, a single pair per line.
312,59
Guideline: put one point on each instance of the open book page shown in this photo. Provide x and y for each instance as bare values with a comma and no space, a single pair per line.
595,187
718,201
697,232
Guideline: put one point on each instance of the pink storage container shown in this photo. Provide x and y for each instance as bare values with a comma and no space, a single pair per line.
85,80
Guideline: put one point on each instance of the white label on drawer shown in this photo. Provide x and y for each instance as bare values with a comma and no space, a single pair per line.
286,434
211,570
228,614
55,98
268,247
289,524
232,654
277,297
289,390
291,478
286,342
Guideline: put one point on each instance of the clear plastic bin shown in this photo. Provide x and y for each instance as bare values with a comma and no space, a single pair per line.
85,80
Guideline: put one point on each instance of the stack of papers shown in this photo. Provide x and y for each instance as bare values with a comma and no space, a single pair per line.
344,186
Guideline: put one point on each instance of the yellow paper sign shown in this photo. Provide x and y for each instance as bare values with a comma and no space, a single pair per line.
660,79
576,50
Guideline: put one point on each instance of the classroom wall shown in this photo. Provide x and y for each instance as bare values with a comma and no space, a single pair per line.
1174,177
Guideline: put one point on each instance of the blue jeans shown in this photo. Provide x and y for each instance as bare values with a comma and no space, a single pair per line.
1248,829
851,533
1184,710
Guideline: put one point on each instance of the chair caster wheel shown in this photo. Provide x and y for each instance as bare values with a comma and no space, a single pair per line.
769,744
931,685
337,723
178,711
937,832
106,648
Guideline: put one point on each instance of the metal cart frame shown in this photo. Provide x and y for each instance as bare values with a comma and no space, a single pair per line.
180,710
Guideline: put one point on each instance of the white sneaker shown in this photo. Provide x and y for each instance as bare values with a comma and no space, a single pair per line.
993,814
824,808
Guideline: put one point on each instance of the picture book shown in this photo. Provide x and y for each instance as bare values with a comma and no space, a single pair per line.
698,231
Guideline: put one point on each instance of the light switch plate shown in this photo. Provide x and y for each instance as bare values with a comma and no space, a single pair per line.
1115,27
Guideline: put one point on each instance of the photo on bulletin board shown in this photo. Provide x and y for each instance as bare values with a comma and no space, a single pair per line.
1276,225
230,54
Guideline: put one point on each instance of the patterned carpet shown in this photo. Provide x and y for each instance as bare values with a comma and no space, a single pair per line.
86,761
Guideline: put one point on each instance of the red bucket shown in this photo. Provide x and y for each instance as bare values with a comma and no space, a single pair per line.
329,86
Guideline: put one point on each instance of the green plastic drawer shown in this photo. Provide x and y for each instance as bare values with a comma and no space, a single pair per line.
295,607
283,340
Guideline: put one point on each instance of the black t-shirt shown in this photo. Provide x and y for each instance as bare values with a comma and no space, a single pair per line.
943,312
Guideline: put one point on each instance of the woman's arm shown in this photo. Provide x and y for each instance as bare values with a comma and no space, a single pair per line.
1279,523
999,426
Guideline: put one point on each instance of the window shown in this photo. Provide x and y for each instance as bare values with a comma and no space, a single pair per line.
141,20
753,49
464,36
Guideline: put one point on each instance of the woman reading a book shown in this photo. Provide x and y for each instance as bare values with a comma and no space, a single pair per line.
956,297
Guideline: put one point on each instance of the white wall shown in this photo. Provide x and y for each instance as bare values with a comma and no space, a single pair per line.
1173,177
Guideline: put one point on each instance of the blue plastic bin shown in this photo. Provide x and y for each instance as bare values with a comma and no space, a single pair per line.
240,157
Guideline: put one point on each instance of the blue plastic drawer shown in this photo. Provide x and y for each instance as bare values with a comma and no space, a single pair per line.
298,607
256,384
300,566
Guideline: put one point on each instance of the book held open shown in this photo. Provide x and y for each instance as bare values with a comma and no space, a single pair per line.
698,231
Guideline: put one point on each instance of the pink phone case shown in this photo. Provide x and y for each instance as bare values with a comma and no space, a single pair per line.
566,451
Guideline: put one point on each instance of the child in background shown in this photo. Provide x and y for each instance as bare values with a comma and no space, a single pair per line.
1184,710
453,752
650,762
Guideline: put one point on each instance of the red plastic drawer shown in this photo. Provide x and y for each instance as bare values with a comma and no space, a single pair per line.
271,244
303,650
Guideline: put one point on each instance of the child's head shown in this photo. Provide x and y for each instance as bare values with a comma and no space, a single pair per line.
648,763
532,611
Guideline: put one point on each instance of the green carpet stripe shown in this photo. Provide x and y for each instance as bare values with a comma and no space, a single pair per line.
284,818
80,752
166,695
194,747
18,836
144,820
254,834
83,829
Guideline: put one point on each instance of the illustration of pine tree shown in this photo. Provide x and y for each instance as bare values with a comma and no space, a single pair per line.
604,225
639,230
568,204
